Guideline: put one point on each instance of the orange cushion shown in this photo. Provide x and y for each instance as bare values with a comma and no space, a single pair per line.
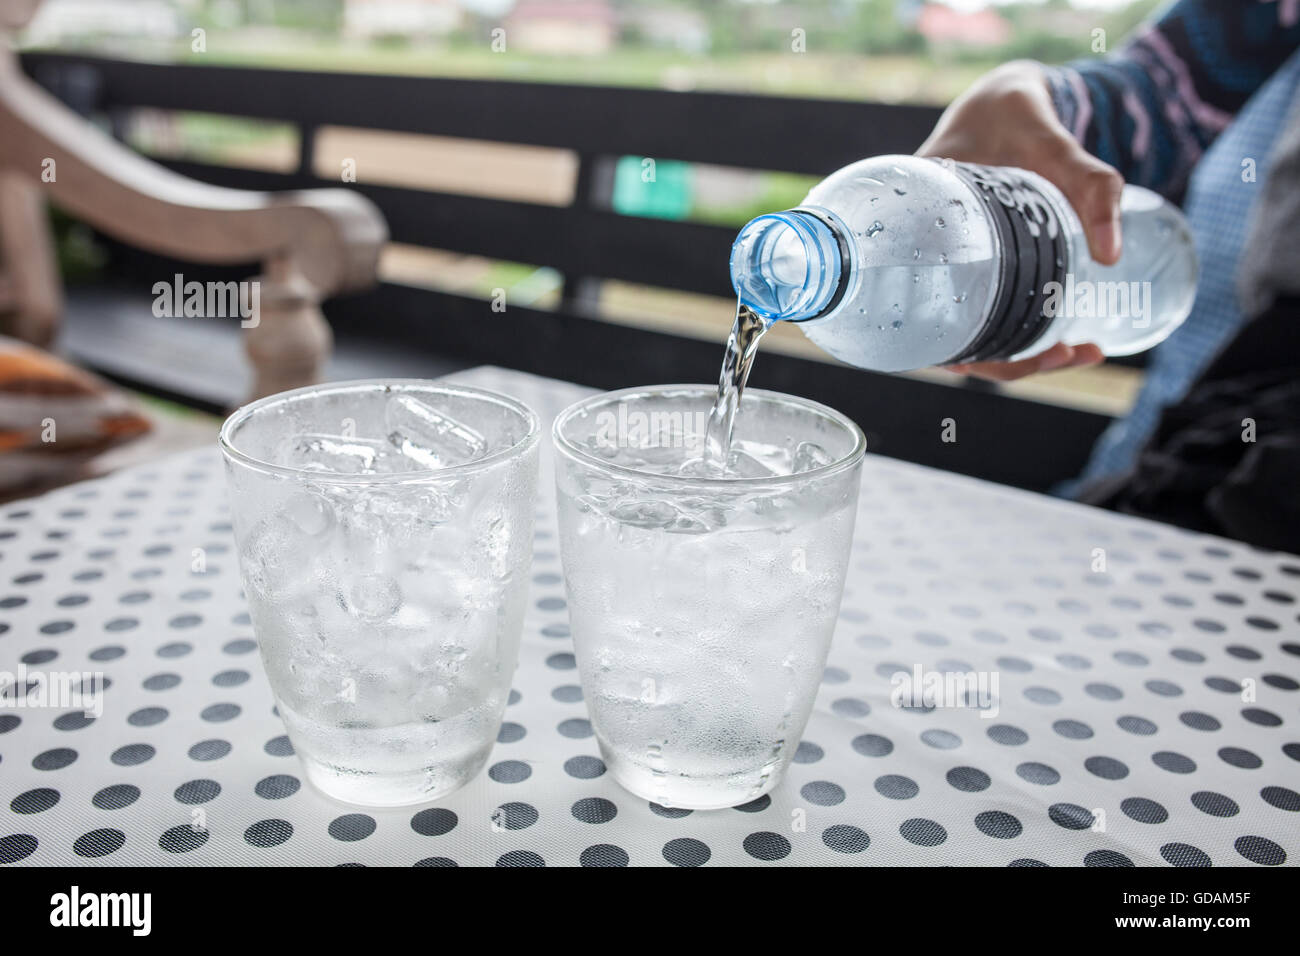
54,416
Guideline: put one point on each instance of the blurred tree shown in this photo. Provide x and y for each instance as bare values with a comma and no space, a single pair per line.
1043,45
321,15
877,28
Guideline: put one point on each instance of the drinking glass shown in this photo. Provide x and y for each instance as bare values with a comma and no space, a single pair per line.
385,535
702,608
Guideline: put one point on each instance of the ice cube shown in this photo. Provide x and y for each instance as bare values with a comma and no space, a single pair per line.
649,514
741,464
701,468
602,446
336,454
374,597
364,538
694,516
699,516
272,556
809,455
699,523
428,437
311,513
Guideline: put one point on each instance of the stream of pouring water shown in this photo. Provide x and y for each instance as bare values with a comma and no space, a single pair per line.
742,346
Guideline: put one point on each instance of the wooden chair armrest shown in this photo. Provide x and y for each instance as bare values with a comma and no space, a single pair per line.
312,243
332,237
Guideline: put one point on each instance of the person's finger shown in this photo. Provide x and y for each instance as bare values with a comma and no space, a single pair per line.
1088,354
1057,357
1093,188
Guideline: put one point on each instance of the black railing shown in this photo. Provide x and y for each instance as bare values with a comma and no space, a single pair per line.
1016,442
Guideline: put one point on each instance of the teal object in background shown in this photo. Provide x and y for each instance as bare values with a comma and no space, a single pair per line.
659,189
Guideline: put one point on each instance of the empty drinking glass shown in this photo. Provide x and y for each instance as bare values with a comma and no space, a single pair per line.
702,608
385,535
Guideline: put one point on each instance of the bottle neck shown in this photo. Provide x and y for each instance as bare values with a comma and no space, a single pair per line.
789,266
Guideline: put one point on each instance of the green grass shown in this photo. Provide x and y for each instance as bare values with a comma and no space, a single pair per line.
503,275
213,133
214,128
780,191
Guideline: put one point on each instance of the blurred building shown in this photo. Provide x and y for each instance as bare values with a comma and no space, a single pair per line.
667,27
407,18
942,26
563,27
60,20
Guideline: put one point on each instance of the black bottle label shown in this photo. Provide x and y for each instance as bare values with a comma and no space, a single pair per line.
1034,254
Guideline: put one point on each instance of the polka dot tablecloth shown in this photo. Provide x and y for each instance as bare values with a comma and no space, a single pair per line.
1148,712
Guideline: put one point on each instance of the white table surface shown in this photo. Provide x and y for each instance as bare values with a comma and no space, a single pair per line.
1148,715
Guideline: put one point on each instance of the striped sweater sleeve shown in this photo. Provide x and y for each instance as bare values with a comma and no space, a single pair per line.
1153,107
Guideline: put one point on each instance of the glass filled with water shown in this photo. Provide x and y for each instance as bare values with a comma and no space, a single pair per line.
704,574
385,535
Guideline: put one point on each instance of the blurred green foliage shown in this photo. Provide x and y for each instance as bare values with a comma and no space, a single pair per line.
853,49
1047,30
80,255
776,191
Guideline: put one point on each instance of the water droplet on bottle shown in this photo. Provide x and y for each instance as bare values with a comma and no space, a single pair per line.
916,277
916,254
896,324
896,308
943,258
874,200
940,223
960,297
899,192
875,229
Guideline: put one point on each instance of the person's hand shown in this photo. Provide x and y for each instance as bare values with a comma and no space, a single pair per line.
1059,355
1007,119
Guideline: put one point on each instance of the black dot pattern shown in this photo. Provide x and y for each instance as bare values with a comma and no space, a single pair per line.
1144,713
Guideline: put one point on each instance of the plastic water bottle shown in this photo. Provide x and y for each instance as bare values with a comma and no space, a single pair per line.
898,263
